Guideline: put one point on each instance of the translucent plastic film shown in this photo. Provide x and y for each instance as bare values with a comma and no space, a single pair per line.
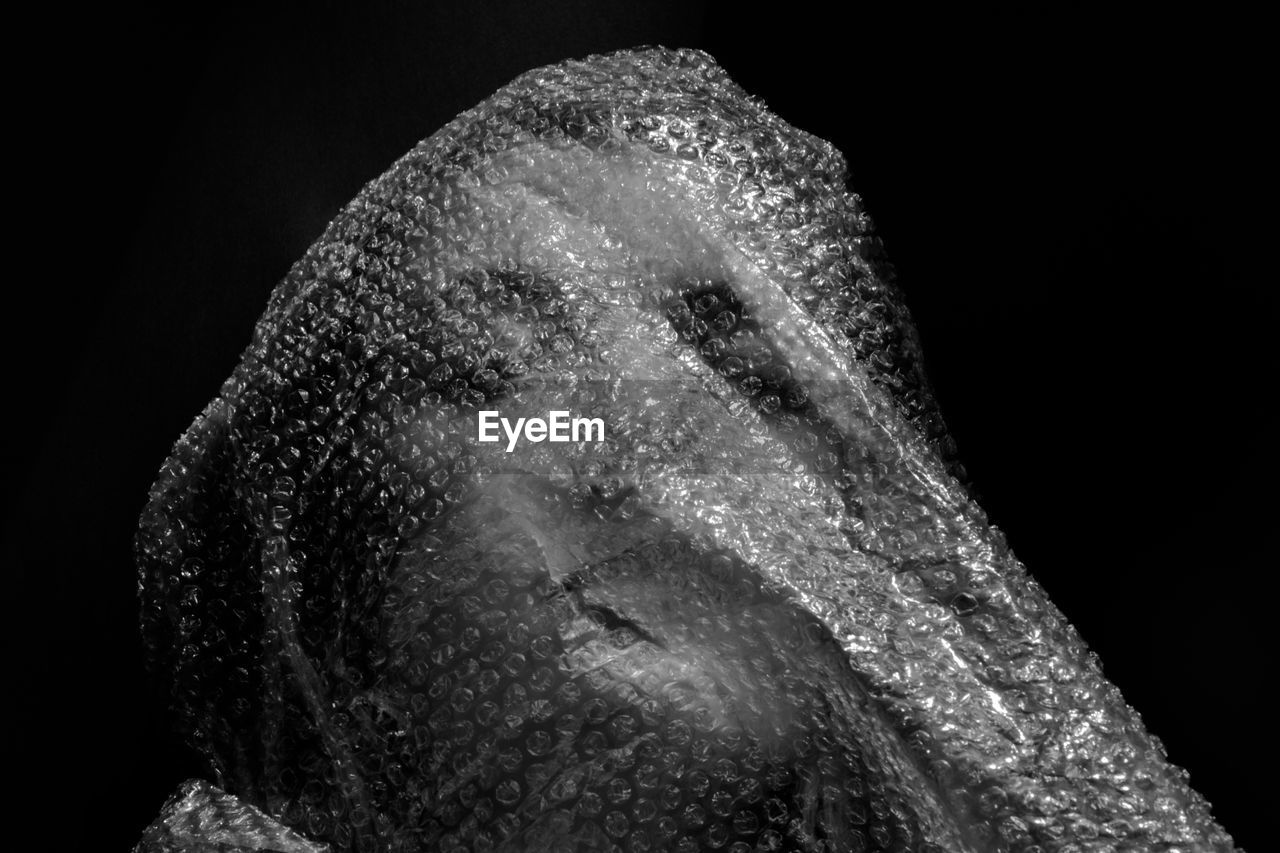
582,489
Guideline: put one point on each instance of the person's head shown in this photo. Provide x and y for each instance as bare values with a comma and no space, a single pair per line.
759,613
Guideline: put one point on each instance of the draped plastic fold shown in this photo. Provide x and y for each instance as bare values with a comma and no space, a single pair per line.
762,614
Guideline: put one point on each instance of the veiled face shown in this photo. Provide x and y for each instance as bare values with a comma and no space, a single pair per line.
761,614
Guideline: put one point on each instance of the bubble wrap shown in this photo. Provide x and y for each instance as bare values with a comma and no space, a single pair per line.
762,614
200,818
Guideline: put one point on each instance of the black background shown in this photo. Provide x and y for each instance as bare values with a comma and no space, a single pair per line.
1069,202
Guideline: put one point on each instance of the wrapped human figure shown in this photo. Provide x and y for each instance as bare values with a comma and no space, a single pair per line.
757,611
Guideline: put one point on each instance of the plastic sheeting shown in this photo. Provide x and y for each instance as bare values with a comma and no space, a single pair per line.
762,614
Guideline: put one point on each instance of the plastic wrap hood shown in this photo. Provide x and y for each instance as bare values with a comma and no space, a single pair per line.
762,613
